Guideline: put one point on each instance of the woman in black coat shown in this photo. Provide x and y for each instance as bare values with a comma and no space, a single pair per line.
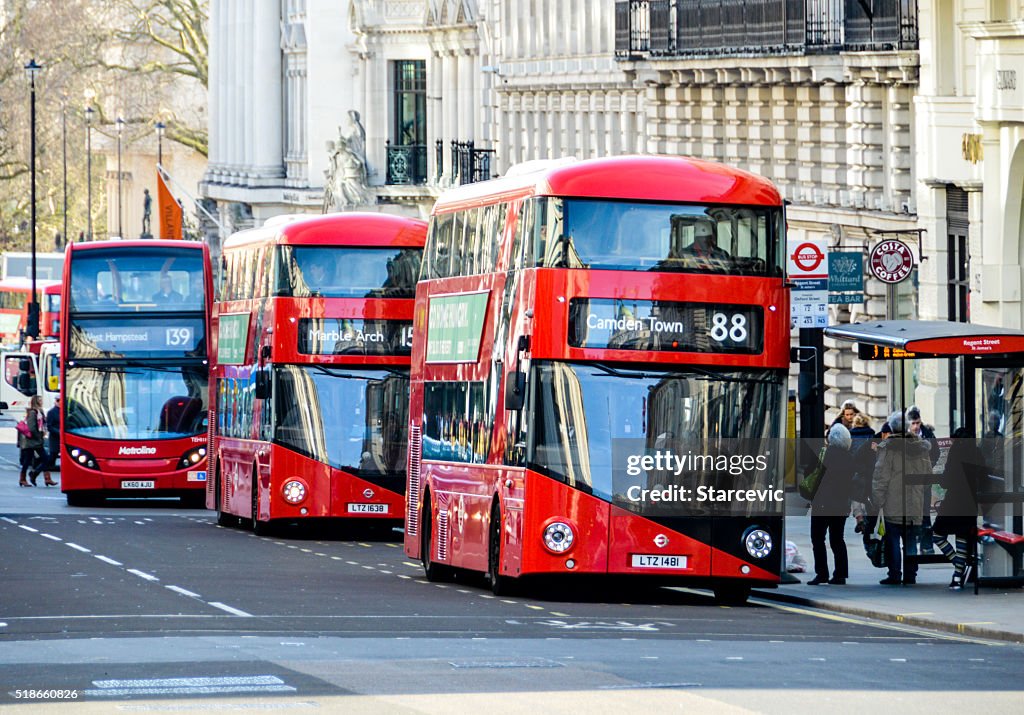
830,508
958,512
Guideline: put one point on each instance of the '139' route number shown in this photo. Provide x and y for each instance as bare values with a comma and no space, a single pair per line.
179,336
732,327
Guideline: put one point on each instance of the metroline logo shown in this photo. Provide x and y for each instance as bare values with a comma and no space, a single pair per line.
135,451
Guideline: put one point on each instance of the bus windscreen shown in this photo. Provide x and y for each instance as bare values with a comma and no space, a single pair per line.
127,280
345,272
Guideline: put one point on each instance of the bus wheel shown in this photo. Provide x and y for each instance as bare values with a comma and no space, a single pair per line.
732,594
500,585
433,571
260,528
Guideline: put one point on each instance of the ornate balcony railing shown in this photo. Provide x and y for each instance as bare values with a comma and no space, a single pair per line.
407,164
688,28
470,164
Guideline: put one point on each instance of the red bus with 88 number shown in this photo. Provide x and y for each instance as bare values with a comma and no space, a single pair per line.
598,376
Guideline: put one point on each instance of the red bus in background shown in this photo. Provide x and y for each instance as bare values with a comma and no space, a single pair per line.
310,389
134,370
592,339
14,300
49,313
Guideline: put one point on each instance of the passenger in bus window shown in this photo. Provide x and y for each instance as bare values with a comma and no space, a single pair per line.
167,294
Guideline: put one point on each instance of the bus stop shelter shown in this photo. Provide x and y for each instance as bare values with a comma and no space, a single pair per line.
981,347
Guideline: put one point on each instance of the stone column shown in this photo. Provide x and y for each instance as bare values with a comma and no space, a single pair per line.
265,88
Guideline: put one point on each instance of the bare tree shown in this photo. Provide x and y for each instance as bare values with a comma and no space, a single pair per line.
143,60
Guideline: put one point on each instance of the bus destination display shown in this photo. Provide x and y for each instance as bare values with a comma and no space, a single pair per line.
156,337
607,323
354,336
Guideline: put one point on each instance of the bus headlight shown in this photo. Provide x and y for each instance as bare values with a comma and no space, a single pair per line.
758,543
192,457
294,491
80,456
558,537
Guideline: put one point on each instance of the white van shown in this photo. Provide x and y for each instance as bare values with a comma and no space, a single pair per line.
19,380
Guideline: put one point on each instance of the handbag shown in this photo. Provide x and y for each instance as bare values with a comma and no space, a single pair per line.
23,429
808,486
875,550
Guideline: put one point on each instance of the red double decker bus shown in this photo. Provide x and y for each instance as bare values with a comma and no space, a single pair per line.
313,333
598,376
134,370
49,315
15,296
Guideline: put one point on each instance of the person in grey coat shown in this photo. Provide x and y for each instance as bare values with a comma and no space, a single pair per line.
902,506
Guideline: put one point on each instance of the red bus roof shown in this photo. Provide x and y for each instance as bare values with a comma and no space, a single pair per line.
135,243
349,228
19,283
641,178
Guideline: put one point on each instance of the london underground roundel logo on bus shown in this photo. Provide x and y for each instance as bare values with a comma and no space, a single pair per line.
807,257
891,261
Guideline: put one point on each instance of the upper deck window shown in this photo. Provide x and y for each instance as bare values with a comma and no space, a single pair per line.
131,279
621,235
346,272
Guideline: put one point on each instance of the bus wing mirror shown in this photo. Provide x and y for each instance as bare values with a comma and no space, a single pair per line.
262,384
515,391
265,353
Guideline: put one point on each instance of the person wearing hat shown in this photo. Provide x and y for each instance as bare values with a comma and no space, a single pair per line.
704,253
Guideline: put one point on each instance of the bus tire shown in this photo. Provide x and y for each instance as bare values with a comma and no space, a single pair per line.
434,572
732,594
260,528
499,585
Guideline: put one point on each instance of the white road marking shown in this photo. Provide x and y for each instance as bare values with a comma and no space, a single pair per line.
229,609
189,686
183,591
143,574
28,528
9,521
84,550
51,537
108,560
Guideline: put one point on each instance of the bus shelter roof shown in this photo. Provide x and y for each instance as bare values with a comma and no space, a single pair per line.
932,338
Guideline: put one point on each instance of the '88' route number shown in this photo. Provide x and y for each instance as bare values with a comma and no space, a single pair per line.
733,328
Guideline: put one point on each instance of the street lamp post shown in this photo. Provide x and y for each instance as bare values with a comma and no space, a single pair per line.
120,128
160,126
31,70
88,168
64,155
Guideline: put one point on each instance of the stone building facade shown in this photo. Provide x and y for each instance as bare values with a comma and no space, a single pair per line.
876,127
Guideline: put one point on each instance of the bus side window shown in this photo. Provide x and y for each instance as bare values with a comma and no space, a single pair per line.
458,243
474,225
439,259
524,224
485,231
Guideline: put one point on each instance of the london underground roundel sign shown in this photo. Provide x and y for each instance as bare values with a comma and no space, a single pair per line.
891,261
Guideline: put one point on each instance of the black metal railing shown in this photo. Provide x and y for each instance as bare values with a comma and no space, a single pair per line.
438,160
407,164
682,28
470,164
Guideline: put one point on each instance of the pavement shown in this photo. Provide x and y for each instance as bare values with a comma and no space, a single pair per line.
994,613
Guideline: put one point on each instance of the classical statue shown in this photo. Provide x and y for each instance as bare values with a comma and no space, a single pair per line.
147,211
346,184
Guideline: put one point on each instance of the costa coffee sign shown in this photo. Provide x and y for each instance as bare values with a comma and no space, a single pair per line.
891,261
